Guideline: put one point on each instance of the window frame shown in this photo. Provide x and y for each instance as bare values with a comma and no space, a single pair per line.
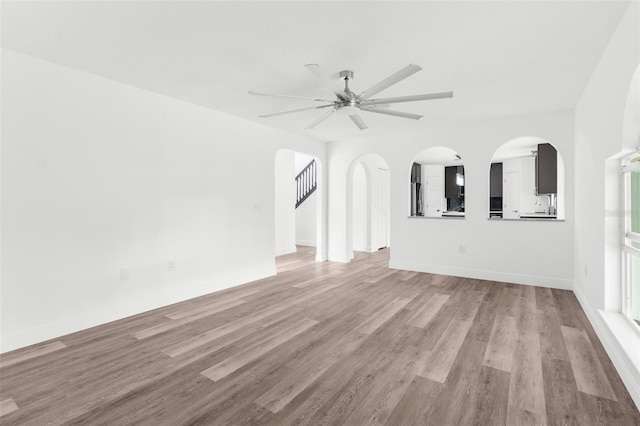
628,236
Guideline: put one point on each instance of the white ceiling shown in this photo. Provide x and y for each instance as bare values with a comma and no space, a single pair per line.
499,58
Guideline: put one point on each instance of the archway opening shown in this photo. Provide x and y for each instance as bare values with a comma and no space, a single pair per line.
527,181
298,203
368,205
437,184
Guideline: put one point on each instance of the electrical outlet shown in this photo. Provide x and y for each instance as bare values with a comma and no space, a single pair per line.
462,249
171,265
124,275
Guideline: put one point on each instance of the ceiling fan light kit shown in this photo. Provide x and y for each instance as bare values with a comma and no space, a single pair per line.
350,104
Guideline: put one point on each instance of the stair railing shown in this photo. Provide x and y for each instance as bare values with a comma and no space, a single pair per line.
306,182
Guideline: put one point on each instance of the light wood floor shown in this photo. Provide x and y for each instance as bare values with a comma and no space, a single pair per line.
328,343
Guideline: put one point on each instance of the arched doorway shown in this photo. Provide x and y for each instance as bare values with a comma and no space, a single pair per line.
299,201
368,206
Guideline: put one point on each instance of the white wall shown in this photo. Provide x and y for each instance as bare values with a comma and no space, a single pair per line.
306,213
285,202
528,252
306,221
301,160
605,129
98,176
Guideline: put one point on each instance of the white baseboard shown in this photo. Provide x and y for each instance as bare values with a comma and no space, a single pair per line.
621,342
307,243
71,325
540,281
286,250
365,249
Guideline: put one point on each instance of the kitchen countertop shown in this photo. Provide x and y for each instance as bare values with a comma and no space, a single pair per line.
538,216
528,219
453,216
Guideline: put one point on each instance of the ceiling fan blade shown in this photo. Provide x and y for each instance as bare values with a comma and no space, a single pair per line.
378,106
321,119
294,110
413,98
276,95
390,81
392,112
359,121
326,81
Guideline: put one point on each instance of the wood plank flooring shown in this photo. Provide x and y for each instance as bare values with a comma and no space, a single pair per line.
329,343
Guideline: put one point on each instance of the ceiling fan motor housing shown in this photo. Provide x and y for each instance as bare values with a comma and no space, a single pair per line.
348,108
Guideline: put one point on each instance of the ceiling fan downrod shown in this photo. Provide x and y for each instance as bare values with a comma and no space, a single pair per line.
347,75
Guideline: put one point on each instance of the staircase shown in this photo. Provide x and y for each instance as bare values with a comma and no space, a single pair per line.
306,183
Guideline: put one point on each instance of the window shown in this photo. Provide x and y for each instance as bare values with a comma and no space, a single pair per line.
631,255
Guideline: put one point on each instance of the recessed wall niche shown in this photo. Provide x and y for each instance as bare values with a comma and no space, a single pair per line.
437,184
526,181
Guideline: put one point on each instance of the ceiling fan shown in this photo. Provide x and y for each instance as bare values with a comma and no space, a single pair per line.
348,103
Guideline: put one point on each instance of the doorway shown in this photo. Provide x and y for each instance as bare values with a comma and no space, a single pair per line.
298,223
368,206
511,197
435,195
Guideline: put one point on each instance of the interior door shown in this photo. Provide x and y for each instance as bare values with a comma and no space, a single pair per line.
383,208
511,196
434,196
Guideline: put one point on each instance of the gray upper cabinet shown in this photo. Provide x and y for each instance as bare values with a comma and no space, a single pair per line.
495,180
416,173
546,170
